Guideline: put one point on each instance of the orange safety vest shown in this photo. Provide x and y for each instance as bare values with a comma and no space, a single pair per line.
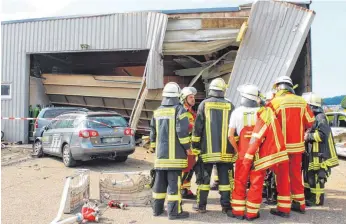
267,147
295,116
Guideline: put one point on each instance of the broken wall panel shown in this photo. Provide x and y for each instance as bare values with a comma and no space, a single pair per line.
271,45
204,23
200,35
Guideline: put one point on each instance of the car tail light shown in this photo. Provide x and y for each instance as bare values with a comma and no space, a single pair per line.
36,123
88,133
129,132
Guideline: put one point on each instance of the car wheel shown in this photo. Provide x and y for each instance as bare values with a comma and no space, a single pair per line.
37,150
120,159
67,156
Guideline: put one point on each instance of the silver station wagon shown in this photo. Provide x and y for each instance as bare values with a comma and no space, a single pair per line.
81,136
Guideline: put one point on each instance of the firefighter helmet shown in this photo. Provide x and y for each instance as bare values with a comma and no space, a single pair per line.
312,99
171,89
218,84
186,91
283,80
249,91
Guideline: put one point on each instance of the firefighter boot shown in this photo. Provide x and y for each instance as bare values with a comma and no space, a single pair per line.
308,203
296,207
276,212
181,215
252,218
226,210
158,207
231,215
187,194
199,209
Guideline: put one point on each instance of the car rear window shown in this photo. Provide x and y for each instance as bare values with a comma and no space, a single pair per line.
54,113
113,121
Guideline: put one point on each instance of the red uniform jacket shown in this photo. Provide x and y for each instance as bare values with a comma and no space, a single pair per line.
267,147
295,116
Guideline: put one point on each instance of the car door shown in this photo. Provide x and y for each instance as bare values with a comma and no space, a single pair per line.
47,137
66,129
58,134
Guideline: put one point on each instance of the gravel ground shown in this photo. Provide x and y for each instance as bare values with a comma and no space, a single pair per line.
31,192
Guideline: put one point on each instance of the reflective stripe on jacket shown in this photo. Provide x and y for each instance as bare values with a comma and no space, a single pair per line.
267,147
321,142
209,136
295,116
169,134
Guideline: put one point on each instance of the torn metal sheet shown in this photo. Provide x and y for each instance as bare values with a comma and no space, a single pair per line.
271,46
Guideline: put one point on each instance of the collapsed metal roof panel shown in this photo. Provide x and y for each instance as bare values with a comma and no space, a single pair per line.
271,46
156,29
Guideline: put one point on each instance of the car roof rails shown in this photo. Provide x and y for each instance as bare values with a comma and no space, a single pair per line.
75,112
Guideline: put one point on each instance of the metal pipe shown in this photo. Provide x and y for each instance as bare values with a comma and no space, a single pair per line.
63,201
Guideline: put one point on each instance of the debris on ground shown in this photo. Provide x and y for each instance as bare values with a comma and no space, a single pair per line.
128,188
115,204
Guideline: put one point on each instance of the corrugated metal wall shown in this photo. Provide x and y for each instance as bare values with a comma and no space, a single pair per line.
156,29
271,45
113,32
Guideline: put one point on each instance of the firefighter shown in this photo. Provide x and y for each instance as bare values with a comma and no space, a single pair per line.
295,116
241,125
170,136
264,130
209,141
187,99
320,154
269,187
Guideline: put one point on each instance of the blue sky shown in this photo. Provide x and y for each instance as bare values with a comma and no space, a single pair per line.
328,29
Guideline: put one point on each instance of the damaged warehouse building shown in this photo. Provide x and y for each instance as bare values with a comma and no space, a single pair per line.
120,62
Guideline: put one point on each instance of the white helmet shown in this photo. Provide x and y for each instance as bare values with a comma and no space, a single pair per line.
218,84
283,79
186,91
312,99
249,91
171,89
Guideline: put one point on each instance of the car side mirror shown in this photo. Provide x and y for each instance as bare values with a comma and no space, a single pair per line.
46,128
